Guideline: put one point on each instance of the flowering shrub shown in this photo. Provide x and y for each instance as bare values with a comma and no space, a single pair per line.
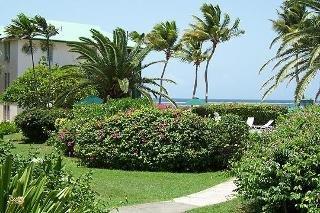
281,171
160,140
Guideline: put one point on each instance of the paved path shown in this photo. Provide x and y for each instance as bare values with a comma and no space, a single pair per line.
214,195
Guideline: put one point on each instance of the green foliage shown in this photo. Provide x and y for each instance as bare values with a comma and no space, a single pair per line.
50,85
160,140
23,193
37,124
281,170
261,113
114,68
7,128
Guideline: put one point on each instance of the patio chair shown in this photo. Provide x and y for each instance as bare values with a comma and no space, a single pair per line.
267,126
250,121
217,117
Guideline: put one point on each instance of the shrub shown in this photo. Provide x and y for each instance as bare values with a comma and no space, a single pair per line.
7,128
113,106
281,171
51,86
57,178
36,124
160,140
261,113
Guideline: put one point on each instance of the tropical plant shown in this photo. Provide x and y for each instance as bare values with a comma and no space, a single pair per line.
163,38
23,27
50,88
191,52
290,19
47,31
113,68
23,193
215,28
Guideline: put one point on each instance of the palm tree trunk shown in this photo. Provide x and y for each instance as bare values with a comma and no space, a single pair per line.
161,80
48,53
206,71
195,83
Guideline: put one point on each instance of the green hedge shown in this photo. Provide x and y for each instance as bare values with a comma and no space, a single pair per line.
281,171
159,140
36,124
98,111
261,113
7,128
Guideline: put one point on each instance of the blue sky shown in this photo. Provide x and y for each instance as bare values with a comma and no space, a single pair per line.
234,70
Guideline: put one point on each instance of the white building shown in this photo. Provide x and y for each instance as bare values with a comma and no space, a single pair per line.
14,61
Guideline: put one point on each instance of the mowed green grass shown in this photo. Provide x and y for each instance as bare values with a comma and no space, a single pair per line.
232,206
116,188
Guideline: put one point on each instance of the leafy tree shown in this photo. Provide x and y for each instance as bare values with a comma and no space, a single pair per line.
47,31
290,19
23,27
163,38
191,52
214,28
113,68
51,84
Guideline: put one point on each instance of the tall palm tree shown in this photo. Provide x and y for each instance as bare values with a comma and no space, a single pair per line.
214,28
191,52
163,38
113,68
23,27
290,19
47,31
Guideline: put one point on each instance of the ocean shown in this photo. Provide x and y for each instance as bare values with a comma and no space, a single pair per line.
288,103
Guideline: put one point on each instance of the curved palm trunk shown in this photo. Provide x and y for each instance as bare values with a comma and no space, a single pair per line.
206,71
161,81
195,82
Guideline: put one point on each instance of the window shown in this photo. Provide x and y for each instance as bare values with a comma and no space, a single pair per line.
6,50
6,112
50,54
6,80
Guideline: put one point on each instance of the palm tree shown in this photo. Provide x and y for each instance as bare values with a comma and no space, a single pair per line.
163,38
191,52
113,68
215,29
47,31
290,19
23,27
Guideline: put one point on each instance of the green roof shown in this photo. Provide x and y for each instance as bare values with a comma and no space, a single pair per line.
69,31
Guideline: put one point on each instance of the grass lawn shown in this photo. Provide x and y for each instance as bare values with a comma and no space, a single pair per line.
115,187
232,206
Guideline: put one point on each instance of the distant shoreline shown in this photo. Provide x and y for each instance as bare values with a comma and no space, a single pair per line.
289,103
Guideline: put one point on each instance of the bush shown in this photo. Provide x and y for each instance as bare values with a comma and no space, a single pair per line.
36,124
57,178
160,140
7,128
51,86
281,171
261,113
81,114
98,111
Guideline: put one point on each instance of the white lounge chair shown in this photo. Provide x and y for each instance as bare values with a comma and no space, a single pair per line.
267,126
217,117
250,122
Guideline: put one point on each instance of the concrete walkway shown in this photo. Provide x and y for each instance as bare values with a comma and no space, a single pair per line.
214,195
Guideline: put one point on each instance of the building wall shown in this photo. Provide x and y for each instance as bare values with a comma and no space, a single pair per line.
20,62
